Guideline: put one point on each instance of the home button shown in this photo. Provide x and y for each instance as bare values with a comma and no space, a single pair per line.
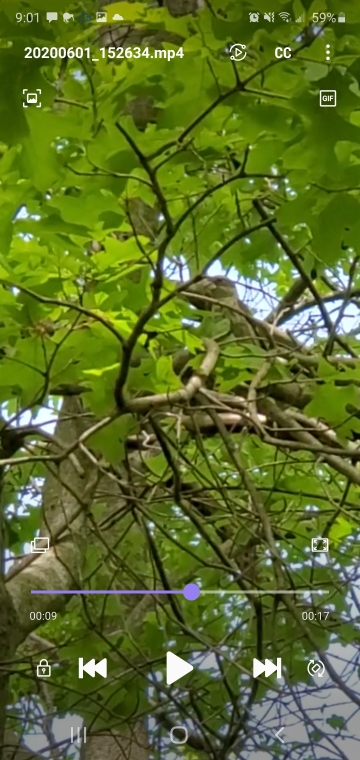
179,735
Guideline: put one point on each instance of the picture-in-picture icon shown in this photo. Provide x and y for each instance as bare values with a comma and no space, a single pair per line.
40,544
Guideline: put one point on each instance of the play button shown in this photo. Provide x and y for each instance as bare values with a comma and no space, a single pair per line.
238,52
176,668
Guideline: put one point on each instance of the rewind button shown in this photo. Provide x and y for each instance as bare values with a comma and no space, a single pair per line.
92,667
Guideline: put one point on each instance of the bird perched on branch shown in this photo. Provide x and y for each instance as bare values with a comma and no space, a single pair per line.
219,295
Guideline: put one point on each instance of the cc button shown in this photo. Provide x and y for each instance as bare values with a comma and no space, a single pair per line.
283,52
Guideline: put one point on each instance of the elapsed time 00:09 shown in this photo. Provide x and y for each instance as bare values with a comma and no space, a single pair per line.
42,615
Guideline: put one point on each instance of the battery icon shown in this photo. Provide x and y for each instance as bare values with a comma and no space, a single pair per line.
341,18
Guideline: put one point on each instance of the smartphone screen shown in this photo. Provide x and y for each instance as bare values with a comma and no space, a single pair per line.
179,380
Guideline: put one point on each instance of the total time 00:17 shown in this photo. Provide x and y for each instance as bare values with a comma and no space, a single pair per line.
110,52
319,615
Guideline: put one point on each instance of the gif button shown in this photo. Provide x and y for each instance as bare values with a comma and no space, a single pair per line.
327,98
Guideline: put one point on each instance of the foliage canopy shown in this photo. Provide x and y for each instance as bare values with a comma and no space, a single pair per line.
179,374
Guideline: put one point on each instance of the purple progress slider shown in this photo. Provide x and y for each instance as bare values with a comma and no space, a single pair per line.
190,592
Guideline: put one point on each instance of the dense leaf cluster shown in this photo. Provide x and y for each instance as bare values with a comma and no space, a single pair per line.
179,375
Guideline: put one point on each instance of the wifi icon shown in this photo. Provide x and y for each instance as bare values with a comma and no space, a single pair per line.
285,16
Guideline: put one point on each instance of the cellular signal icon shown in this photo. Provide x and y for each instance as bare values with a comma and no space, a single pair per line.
301,19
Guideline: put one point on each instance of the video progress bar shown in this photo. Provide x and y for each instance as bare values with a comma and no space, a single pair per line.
191,592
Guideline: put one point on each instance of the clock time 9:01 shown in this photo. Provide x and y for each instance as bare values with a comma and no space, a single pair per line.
311,615
42,615
28,17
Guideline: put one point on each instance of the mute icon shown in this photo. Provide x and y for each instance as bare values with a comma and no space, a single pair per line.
91,667
266,667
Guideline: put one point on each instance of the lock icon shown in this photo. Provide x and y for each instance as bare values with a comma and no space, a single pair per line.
43,669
